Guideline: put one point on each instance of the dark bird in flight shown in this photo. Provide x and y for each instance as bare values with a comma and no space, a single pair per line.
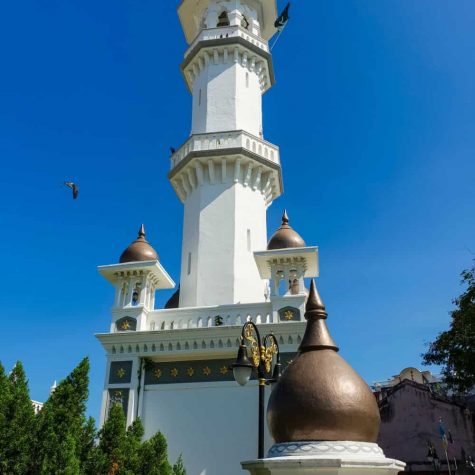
172,150
73,187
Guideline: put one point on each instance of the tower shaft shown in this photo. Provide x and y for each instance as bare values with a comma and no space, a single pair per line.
226,174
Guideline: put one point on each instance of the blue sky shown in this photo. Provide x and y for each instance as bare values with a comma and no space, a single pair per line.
375,116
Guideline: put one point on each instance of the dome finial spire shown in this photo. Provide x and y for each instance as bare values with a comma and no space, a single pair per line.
285,217
141,232
317,336
315,305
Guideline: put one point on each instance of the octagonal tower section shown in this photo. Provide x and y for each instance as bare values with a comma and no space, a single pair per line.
226,174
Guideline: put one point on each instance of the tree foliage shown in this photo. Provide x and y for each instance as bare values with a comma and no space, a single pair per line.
454,349
60,440
60,425
179,467
18,423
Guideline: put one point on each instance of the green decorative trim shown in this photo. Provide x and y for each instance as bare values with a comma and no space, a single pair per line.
120,372
126,324
196,371
289,314
119,396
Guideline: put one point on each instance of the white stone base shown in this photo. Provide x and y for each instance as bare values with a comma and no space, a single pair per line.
325,458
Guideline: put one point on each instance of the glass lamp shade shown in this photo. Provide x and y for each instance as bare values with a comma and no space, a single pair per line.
277,373
242,374
242,369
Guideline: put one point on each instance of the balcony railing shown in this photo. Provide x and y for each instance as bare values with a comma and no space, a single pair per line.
228,32
223,315
226,140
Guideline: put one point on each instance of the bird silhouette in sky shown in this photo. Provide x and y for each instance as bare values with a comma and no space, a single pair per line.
73,187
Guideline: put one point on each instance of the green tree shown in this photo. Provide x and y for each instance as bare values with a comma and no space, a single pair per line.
179,468
87,448
111,451
62,425
133,443
154,456
454,349
18,423
4,398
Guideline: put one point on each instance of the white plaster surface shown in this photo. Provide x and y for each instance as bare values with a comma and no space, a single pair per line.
214,425
216,221
228,100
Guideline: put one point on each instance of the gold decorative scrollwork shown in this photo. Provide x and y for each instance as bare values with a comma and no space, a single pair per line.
267,355
255,353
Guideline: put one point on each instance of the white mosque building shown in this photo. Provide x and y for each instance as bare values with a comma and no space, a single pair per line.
171,366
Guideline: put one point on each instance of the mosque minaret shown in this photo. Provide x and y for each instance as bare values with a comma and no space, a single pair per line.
171,366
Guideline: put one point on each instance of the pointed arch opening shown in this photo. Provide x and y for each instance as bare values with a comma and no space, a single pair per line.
223,19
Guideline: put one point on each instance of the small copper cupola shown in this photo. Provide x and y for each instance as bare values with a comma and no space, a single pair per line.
139,250
320,397
285,237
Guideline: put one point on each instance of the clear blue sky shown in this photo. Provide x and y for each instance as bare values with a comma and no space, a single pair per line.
373,110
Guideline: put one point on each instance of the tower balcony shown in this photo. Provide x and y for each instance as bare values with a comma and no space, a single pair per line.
226,142
223,156
228,32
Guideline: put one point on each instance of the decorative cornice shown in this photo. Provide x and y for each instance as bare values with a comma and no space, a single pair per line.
197,370
218,341
326,449
195,59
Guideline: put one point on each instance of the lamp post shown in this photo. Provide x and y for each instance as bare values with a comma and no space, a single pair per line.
262,352
433,457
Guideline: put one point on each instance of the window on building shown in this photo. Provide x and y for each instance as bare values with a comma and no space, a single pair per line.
199,98
249,240
223,19
245,22
188,271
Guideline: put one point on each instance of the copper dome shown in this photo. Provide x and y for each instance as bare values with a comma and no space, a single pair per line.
320,397
285,236
139,250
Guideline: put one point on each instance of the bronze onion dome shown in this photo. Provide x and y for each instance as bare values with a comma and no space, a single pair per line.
139,250
320,397
285,236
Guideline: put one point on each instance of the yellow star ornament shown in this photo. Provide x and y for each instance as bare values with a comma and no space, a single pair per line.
289,315
120,373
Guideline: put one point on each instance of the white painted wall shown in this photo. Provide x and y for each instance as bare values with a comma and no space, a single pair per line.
216,222
227,96
214,425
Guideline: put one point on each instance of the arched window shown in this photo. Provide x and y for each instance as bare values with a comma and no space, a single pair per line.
245,22
223,19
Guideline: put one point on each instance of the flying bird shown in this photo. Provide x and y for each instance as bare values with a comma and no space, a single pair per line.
73,187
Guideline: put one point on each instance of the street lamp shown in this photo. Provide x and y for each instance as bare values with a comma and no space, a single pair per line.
433,457
262,352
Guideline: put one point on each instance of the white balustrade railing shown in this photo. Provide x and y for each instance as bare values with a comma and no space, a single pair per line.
226,140
228,32
226,315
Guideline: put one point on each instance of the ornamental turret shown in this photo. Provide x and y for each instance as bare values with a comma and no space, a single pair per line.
136,278
225,174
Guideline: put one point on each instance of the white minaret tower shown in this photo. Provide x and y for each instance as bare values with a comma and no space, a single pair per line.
226,174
